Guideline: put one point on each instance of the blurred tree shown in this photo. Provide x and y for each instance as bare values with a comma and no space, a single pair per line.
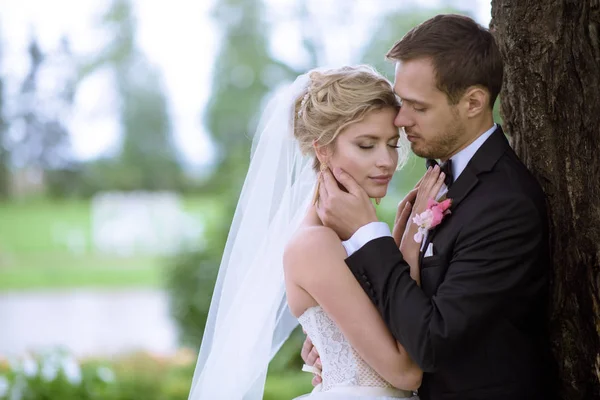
551,108
4,155
244,73
39,139
148,158
391,29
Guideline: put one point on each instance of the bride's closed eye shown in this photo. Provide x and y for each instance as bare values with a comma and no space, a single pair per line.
372,146
393,145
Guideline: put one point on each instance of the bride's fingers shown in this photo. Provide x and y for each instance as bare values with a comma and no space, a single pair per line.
431,174
429,180
421,179
401,221
410,198
437,186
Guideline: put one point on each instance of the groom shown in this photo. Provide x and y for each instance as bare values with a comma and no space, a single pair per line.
477,325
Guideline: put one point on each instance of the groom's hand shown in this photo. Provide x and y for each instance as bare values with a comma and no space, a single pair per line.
343,212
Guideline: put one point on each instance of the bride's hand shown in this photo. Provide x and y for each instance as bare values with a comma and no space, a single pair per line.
403,212
310,356
429,187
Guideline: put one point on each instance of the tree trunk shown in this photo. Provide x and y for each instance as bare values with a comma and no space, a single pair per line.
551,110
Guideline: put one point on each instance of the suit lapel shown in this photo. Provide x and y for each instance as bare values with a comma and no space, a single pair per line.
461,188
483,161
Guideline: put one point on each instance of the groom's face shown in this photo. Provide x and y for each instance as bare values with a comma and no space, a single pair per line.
433,126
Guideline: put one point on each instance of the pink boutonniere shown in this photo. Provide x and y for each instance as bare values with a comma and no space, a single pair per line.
431,217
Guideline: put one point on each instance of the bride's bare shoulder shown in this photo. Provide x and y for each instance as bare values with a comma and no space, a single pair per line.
312,243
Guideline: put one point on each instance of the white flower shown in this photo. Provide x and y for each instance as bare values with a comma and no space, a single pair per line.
49,371
72,370
424,220
50,366
418,237
30,367
4,386
105,374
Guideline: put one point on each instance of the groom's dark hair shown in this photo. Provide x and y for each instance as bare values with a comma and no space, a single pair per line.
463,54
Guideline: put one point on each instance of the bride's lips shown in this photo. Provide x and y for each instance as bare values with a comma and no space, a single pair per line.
382,179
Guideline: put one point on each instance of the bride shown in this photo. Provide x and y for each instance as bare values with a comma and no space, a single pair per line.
281,266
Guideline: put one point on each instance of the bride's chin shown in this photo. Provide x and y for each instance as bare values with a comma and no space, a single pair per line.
377,194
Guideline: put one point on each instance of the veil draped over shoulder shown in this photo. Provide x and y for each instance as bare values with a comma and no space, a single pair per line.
249,318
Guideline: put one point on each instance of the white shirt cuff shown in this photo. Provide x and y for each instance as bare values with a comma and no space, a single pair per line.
364,235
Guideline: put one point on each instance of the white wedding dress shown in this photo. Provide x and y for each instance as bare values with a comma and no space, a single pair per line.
345,374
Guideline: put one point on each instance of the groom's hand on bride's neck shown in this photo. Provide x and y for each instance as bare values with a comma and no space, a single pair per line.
344,211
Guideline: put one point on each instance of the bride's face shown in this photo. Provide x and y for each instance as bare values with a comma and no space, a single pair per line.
367,151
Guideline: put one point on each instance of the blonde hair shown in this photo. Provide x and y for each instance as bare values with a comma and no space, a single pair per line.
335,99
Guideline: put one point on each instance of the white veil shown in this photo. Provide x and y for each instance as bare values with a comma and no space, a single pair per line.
249,318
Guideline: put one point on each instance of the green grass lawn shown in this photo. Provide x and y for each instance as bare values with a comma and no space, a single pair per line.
35,247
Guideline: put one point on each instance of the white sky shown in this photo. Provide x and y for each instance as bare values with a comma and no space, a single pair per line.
180,39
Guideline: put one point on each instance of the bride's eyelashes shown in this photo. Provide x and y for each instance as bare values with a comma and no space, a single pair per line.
368,147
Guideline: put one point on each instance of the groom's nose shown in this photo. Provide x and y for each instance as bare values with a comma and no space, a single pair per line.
403,119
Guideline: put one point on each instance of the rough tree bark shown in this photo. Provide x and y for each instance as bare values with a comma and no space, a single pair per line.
551,110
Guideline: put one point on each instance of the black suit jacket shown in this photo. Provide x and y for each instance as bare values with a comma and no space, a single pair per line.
477,326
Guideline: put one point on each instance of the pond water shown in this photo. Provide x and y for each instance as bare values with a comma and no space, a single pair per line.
86,322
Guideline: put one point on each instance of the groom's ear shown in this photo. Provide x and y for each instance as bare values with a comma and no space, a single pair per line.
476,100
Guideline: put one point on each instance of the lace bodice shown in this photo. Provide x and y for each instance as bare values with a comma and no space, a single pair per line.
342,366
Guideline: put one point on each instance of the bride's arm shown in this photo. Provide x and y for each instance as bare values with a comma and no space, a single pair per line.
315,262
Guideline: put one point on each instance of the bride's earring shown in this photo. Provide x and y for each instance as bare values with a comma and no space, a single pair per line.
378,201
322,169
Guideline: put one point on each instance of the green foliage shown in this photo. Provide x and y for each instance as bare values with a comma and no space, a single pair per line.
4,154
288,358
287,386
57,375
54,375
391,29
497,113
115,174
245,72
190,279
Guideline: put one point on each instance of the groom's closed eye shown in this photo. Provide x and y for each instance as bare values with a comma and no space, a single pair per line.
417,105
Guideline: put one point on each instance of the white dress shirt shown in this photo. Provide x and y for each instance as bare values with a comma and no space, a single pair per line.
375,230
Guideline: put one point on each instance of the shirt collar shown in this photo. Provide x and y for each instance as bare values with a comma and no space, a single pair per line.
462,158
